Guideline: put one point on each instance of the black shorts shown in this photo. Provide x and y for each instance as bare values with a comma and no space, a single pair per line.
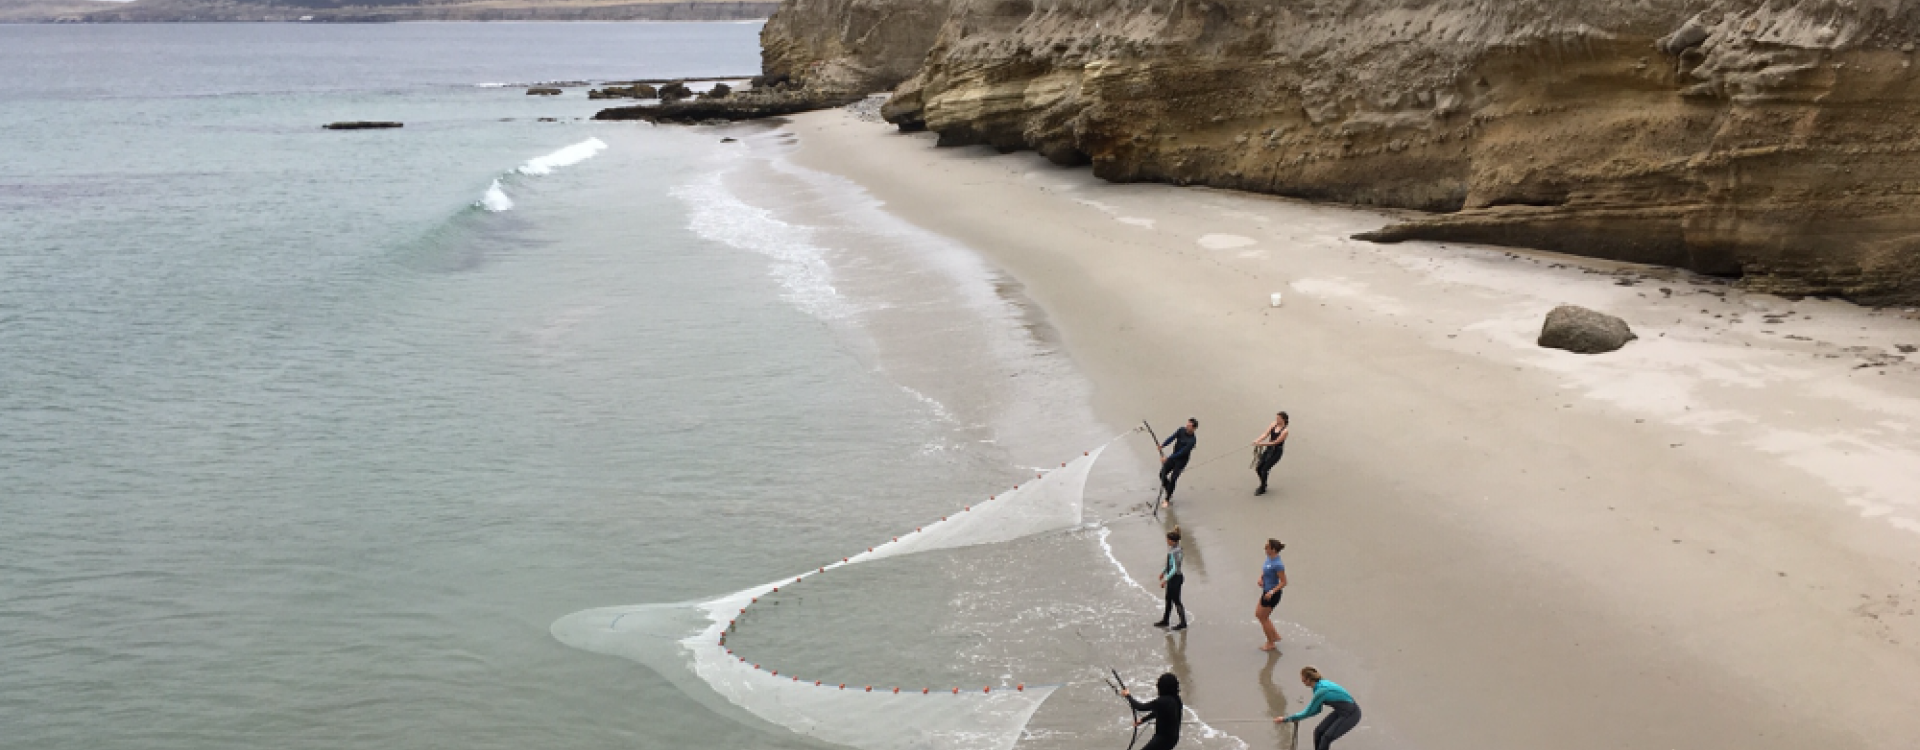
1271,601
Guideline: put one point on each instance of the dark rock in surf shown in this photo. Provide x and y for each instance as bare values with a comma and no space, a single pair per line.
719,91
635,91
675,91
543,91
362,125
745,105
1583,331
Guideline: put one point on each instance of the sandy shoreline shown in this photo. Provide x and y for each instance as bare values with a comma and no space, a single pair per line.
1709,539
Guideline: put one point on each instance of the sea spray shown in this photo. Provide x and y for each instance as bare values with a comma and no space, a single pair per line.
496,199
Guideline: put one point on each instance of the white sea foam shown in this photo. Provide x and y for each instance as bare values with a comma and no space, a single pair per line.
565,157
496,199
939,410
1108,548
715,213
683,642
491,85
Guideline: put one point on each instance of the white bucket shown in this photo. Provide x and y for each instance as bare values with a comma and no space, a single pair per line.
1276,299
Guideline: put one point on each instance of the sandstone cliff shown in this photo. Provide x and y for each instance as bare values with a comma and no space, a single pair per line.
853,45
1769,140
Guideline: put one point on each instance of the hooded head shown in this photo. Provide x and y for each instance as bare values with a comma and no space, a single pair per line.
1169,684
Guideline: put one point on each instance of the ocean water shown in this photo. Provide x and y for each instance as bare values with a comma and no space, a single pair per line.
315,439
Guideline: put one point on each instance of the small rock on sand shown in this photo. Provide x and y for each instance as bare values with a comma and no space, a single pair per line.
1577,329
361,125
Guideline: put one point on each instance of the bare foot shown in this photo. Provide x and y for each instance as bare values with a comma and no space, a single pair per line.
1268,647
1163,503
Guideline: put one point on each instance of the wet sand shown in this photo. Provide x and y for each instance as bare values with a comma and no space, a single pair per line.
1709,539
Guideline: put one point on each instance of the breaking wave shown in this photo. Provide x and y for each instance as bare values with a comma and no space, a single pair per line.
565,157
496,198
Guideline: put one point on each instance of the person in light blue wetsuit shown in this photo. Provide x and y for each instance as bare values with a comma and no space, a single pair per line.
1345,716
1171,578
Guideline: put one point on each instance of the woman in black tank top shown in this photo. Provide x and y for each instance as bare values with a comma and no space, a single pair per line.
1270,446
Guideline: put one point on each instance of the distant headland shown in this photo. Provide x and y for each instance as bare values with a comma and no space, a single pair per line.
378,11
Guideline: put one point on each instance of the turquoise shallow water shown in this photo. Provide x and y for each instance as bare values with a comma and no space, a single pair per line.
302,445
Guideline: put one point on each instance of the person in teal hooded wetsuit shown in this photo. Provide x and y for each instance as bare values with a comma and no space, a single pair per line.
1326,694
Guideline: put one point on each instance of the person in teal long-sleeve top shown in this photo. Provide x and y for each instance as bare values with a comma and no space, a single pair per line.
1346,712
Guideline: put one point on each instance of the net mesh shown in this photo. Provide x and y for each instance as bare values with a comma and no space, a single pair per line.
685,642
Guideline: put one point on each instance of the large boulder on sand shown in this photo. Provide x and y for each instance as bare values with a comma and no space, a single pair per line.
1577,329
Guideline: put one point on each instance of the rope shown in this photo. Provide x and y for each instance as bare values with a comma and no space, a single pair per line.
1221,456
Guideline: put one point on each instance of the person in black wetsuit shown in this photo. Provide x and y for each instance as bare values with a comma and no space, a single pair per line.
1173,463
1271,443
1164,711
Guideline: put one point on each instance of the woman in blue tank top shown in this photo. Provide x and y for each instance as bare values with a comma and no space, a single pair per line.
1273,582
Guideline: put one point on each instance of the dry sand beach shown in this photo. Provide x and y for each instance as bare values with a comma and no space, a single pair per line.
1709,539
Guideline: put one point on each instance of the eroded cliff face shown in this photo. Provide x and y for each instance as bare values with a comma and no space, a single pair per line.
1775,141
850,45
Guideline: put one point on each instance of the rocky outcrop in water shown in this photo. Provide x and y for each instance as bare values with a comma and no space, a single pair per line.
363,125
634,91
1769,140
675,91
751,104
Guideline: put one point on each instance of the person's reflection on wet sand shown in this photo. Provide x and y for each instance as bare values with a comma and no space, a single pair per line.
1276,700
